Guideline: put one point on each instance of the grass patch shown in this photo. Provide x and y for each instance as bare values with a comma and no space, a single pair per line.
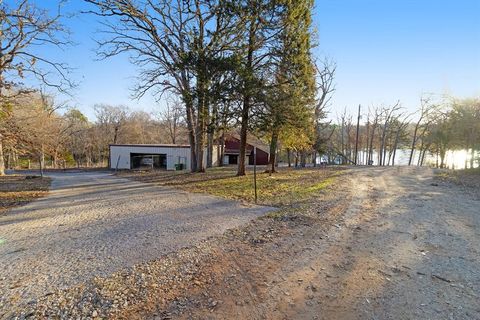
469,178
286,187
17,190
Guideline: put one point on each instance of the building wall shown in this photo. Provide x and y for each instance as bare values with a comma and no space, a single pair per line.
180,154
232,143
262,158
226,159
121,155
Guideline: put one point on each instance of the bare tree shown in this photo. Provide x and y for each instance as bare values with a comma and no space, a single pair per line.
111,121
400,131
372,130
325,89
25,27
172,117
388,119
172,43
156,38
425,119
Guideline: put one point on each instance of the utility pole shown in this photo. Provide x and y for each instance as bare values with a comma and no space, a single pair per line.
255,171
356,139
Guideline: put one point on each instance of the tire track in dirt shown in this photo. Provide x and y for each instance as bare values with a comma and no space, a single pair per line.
382,255
385,243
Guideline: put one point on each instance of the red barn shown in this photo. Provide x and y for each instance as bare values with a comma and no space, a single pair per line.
232,150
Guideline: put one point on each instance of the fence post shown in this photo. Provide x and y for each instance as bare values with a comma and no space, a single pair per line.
255,171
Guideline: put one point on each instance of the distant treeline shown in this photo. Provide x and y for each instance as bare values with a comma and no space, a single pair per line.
243,65
40,131
433,130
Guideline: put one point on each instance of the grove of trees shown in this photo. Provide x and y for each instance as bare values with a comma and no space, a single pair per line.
433,130
39,133
244,64
219,65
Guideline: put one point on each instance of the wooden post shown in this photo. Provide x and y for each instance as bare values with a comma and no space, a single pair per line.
255,171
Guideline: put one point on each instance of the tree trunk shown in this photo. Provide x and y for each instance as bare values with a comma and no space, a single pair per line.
472,158
303,159
221,154
380,151
414,141
423,154
273,150
393,156
200,149
385,154
420,154
54,159
247,87
2,161
15,160
383,147
191,132
342,136
442,159
390,154
289,157
8,162
202,122
370,148
42,162
243,137
210,149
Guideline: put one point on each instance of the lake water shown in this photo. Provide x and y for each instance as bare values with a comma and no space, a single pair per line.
454,159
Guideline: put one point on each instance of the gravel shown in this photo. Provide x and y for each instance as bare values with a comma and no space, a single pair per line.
93,224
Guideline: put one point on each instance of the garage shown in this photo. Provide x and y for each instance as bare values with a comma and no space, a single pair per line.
148,161
149,156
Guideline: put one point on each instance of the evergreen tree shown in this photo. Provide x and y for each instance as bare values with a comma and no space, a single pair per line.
290,102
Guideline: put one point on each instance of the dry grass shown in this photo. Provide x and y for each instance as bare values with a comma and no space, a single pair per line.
467,178
286,187
17,190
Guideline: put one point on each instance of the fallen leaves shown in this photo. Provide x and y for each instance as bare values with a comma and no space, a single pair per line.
17,190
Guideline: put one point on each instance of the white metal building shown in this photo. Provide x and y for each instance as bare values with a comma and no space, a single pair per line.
150,156
158,156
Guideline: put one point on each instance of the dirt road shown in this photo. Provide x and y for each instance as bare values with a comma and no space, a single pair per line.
387,243
92,224
401,246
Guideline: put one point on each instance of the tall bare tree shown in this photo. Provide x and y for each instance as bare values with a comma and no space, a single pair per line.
389,112
173,43
426,117
112,120
325,88
24,27
172,117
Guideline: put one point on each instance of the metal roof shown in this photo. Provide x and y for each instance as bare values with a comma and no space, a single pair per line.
152,145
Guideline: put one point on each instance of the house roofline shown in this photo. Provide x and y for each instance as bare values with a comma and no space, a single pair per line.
264,148
151,145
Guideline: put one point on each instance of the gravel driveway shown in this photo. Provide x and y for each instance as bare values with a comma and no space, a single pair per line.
93,224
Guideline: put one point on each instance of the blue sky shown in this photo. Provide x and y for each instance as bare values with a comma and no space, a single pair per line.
385,50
